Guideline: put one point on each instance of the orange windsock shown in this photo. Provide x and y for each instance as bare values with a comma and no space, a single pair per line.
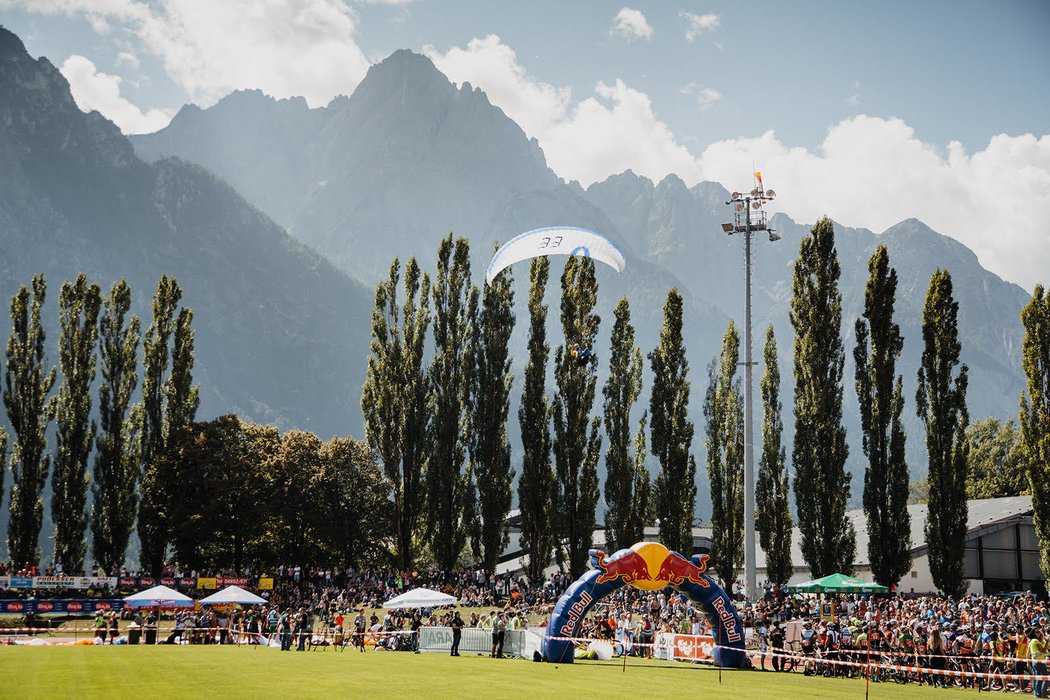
758,176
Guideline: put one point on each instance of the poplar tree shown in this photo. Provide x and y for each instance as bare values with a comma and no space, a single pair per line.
455,309
881,396
626,495
940,402
671,431
116,466
724,416
772,510
396,400
79,305
27,383
156,484
491,381
576,449
182,397
1035,414
536,487
820,449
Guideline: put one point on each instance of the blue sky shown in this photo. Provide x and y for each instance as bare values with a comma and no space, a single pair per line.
867,111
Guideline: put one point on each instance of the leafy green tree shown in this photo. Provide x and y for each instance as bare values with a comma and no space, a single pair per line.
491,380
625,515
293,478
820,450
1035,414
223,458
772,510
116,466
156,485
182,397
79,305
3,457
536,487
671,431
997,460
881,396
354,506
455,310
26,387
941,405
724,417
396,400
576,450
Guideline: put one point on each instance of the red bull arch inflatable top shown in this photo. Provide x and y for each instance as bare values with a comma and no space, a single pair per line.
648,566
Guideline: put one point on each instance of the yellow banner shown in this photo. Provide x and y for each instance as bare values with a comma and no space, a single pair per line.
208,583
265,583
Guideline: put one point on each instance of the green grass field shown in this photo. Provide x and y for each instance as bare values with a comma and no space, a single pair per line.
223,672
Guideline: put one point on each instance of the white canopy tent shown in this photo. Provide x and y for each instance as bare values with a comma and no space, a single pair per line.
420,598
159,597
233,594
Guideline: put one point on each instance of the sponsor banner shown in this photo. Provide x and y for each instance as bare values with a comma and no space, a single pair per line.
168,581
55,582
689,648
265,583
205,582
51,607
187,582
241,581
21,582
474,640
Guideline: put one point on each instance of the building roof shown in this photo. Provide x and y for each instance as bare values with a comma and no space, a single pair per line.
983,516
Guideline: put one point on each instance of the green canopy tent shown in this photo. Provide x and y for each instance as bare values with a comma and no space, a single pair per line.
837,583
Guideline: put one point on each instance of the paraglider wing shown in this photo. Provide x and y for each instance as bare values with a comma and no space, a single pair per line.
557,240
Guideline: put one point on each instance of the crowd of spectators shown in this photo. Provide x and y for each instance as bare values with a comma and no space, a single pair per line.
995,634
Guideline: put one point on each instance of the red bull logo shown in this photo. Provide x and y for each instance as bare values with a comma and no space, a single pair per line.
627,565
676,570
636,566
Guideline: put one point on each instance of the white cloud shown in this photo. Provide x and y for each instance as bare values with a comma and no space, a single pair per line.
631,24
868,172
708,96
283,47
697,24
612,131
93,90
874,172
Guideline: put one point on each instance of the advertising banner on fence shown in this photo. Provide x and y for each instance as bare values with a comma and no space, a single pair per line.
207,583
55,582
48,607
439,639
689,648
265,583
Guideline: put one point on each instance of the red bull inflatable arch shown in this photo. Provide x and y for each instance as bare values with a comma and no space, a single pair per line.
635,567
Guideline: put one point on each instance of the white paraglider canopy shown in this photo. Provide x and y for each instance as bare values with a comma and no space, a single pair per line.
557,240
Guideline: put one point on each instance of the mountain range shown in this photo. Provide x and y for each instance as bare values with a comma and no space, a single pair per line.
409,156
279,219
278,327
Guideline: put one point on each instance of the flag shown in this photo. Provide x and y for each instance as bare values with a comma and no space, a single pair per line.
758,176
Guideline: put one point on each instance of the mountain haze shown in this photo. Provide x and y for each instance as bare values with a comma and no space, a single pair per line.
408,157
279,328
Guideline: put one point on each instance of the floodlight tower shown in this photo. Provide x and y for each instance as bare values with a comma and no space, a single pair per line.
749,218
